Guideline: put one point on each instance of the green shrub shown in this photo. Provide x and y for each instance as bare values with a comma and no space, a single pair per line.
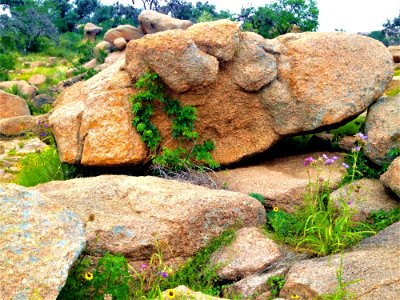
275,284
258,197
7,63
43,166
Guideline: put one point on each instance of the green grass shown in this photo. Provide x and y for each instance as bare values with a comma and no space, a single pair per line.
42,166
393,92
396,73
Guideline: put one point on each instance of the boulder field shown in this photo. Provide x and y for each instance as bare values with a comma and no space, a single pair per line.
249,92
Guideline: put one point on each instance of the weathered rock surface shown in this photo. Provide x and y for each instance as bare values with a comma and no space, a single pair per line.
127,32
391,178
249,253
92,121
37,79
253,67
36,64
114,57
395,51
314,89
382,127
90,31
130,214
364,196
282,181
103,45
22,124
175,57
220,38
182,292
42,99
314,277
152,22
12,106
23,87
91,64
39,243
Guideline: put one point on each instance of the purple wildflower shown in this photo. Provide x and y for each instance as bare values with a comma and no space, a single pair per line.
46,126
325,156
143,266
163,274
308,161
346,166
42,134
356,148
349,202
329,161
39,123
362,136
335,158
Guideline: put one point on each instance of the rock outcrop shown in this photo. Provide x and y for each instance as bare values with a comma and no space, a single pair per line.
12,106
395,51
39,243
248,91
311,278
37,79
129,215
382,127
127,32
391,178
152,22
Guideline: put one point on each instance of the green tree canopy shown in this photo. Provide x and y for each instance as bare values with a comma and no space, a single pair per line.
279,17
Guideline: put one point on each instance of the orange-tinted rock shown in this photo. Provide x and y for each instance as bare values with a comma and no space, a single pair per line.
395,51
91,121
23,87
130,215
382,127
127,32
91,31
120,43
23,124
37,79
323,79
220,38
152,22
12,106
175,57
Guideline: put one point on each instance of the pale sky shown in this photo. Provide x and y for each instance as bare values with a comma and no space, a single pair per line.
350,15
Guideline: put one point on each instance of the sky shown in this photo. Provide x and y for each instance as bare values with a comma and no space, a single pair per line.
349,15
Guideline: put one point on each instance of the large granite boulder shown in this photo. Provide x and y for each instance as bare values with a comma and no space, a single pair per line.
246,97
391,178
12,106
40,240
127,32
152,22
311,278
382,127
130,215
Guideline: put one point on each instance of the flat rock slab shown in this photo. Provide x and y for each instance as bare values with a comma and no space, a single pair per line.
39,242
129,215
365,196
281,181
249,253
375,262
182,292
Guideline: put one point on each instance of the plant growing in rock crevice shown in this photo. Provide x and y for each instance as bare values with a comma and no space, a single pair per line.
182,118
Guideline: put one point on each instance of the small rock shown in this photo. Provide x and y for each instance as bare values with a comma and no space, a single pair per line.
52,60
127,32
103,45
90,64
347,143
23,87
249,253
391,178
382,127
37,79
182,292
42,99
63,62
120,43
12,106
36,64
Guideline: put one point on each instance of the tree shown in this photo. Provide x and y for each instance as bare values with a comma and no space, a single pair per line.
85,8
4,4
280,16
391,30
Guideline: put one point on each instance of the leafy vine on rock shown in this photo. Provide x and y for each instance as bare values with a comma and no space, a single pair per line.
182,118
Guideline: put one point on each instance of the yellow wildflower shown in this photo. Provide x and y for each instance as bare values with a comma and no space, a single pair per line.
171,294
276,209
88,276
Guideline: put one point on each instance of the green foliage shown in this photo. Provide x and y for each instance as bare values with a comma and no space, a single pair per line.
182,118
7,63
319,227
275,284
351,128
396,73
258,197
279,17
43,166
381,219
391,30
101,56
198,274
393,92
